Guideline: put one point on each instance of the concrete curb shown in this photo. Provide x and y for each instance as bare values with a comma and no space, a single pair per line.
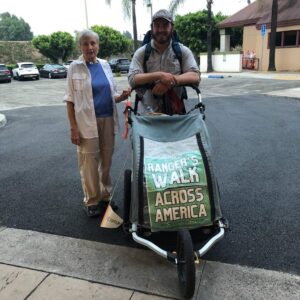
3,120
48,267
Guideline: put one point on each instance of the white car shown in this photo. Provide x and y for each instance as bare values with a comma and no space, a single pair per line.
26,70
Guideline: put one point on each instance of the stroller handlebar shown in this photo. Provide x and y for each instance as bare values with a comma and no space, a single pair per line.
199,106
151,85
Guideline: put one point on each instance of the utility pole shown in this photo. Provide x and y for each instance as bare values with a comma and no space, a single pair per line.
86,15
149,4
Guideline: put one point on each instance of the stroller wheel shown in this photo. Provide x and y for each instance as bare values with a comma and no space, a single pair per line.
185,264
127,201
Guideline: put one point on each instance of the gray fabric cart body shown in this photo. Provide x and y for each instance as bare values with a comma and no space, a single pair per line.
170,147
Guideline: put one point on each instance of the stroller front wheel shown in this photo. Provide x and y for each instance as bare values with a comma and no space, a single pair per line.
185,264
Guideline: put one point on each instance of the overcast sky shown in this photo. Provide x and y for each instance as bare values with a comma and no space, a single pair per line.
46,17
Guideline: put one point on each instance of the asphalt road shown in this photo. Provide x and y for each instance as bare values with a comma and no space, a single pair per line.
256,151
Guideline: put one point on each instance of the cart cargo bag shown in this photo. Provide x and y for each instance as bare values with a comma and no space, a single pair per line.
174,185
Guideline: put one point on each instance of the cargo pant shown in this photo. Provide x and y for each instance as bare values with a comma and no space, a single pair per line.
94,160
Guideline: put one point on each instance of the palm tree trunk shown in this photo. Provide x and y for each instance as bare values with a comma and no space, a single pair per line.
135,40
209,37
273,36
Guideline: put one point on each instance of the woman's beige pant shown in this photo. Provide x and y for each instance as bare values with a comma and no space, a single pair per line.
94,160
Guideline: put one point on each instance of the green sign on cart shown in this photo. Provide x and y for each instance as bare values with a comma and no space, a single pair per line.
177,192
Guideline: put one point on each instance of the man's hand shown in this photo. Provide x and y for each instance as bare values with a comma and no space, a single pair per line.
168,79
75,138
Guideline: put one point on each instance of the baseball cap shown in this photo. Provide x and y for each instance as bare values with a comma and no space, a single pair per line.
162,14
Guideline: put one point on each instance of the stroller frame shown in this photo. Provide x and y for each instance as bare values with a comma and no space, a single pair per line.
186,274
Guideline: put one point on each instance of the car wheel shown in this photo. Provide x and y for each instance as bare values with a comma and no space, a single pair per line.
37,77
9,80
49,76
17,76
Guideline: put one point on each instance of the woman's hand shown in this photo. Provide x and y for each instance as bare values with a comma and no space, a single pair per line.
75,138
125,94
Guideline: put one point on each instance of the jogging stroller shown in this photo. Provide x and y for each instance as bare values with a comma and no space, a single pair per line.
171,196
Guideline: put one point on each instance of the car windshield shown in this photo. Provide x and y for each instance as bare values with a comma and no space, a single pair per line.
57,67
25,66
124,61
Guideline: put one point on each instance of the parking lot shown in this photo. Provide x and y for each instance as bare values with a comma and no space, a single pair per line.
48,92
43,92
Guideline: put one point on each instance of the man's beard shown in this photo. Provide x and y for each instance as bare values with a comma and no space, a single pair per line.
162,38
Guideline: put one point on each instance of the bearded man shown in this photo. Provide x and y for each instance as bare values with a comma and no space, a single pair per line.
162,70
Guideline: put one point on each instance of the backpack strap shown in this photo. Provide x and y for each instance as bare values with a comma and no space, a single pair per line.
178,53
147,53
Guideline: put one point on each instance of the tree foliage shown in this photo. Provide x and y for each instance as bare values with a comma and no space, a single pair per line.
58,46
111,41
129,11
13,28
127,34
192,30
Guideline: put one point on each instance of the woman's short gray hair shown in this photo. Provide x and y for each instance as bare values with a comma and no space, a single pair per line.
86,33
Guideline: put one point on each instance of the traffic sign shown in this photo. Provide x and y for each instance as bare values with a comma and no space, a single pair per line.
263,28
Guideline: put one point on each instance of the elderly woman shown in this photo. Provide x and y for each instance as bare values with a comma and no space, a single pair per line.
91,105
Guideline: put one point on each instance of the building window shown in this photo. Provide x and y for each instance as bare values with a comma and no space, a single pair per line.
278,39
286,39
290,38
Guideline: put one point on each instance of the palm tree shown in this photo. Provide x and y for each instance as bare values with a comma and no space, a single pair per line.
173,8
129,11
273,36
274,29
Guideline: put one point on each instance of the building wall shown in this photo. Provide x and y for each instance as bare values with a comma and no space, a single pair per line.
286,59
222,62
250,41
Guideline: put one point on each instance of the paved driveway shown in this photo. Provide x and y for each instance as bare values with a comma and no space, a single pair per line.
45,92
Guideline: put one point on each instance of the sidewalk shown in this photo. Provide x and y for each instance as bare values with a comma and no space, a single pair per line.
258,74
36,265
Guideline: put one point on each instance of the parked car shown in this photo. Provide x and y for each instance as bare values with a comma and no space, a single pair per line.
119,64
4,74
53,71
67,64
26,70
